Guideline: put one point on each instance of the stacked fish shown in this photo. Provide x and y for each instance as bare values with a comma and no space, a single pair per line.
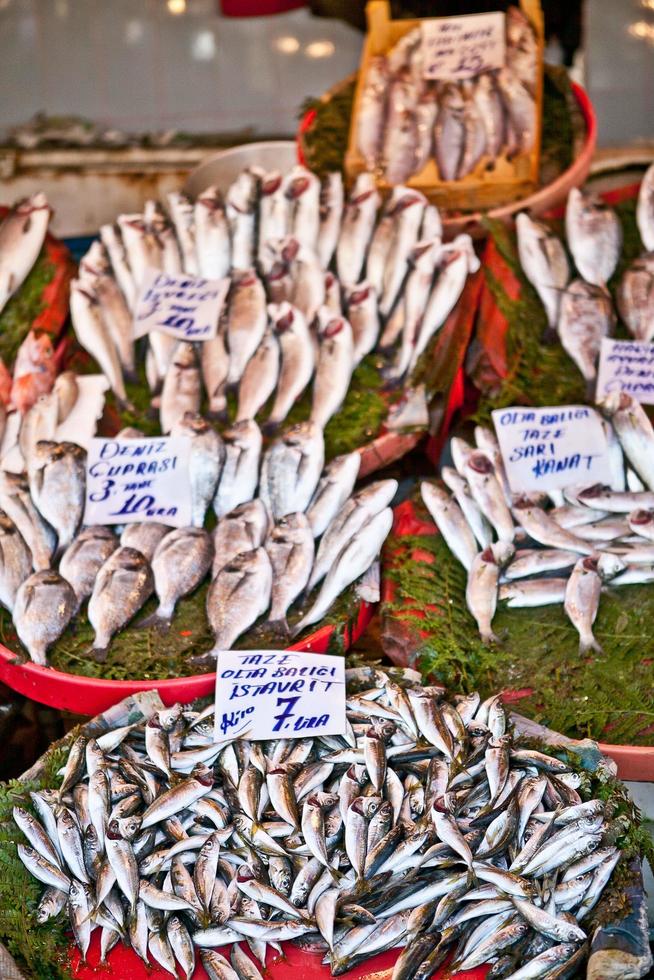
581,312
404,119
425,826
593,535
261,557
288,318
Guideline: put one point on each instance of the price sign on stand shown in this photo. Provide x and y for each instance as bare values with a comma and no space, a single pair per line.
626,365
263,694
129,480
552,448
462,47
186,307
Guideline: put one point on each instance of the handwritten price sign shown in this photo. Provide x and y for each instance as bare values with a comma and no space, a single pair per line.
281,694
552,448
626,365
462,47
185,307
130,480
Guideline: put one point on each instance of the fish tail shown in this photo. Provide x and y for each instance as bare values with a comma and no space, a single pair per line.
130,375
280,625
549,336
490,638
156,620
99,654
589,644
270,427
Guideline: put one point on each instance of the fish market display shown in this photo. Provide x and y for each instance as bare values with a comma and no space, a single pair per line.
316,283
426,827
529,551
287,525
404,120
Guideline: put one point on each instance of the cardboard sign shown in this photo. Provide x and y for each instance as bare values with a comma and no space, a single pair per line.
263,694
626,365
552,448
186,307
130,480
462,47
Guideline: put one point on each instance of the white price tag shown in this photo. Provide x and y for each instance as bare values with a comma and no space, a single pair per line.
130,480
186,307
264,694
552,448
462,47
626,365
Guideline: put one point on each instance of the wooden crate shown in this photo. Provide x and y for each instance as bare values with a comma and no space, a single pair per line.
483,188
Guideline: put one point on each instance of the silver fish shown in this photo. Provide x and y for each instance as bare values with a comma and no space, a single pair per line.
334,368
112,240
424,261
213,250
372,110
240,473
331,210
297,358
84,557
585,317
58,487
123,585
22,234
542,528
407,213
634,430
450,132
582,597
206,463
144,537
291,468
482,586
242,529
302,189
142,246
534,592
356,229
238,595
645,210
246,321
334,488
15,561
308,293
44,606
487,492
260,377
544,262
361,307
92,333
529,561
181,389
400,148
382,241
333,294
491,110
475,145
117,318
38,424
66,390
451,523
215,369
179,565
635,298
183,217
594,235
273,211
291,551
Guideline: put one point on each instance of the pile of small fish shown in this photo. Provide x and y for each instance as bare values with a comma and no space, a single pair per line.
581,312
425,826
595,536
261,557
288,318
404,119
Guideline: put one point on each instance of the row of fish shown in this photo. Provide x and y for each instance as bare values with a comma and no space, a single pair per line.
404,119
287,317
427,826
581,311
261,557
516,550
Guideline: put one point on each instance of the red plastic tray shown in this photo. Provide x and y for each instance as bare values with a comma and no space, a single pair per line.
92,695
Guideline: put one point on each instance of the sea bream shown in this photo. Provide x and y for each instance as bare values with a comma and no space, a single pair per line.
122,587
635,298
297,358
585,317
594,235
291,551
240,473
237,596
43,607
544,262
84,558
17,503
206,462
242,529
179,565
356,229
634,430
58,487
15,561
22,233
291,468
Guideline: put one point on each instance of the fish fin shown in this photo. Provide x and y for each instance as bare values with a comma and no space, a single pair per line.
270,428
490,639
280,626
218,415
154,621
549,336
130,375
590,389
588,646
125,405
99,654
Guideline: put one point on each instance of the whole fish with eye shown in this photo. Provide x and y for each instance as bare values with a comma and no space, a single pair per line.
331,211
581,603
144,537
22,233
43,608
35,370
212,244
206,463
181,392
260,377
372,111
482,586
84,558
544,262
291,468
297,359
302,189
290,550
15,561
238,595
401,888
356,229
122,587
635,298
594,236
58,487
16,502
362,313
334,368
585,317
183,218
273,212
179,565
92,334
634,431
243,529
38,424
246,321
335,486
240,472
215,370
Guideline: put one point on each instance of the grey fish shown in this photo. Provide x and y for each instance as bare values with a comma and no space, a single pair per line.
297,358
361,305
58,487
594,235
238,595
585,317
544,262
16,502
22,233
423,264
475,145
144,537
84,557
38,423
213,250
635,298
372,110
335,486
401,132
123,585
206,463
582,601
215,370
528,561
179,565
470,508
482,586
291,468
291,551
356,229
451,523
246,321
43,870
259,379
490,108
450,132
520,108
15,561
534,592
182,214
243,529
634,430
240,473
181,388
334,367
44,606
117,317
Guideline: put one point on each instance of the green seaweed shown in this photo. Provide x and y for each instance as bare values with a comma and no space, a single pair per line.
608,696
22,309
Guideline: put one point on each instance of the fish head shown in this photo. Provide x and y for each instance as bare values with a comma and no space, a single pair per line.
202,774
594,491
480,463
271,183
